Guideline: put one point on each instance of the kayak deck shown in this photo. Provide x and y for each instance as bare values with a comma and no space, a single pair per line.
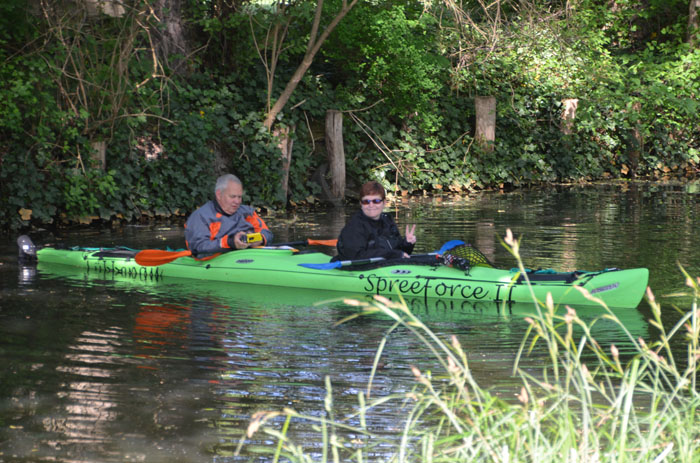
280,267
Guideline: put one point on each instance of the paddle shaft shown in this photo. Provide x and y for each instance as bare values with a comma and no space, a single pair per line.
371,260
309,242
155,257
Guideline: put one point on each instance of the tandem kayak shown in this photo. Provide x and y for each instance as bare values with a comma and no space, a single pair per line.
289,268
181,296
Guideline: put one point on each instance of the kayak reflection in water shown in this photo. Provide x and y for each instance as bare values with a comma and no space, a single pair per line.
373,233
222,223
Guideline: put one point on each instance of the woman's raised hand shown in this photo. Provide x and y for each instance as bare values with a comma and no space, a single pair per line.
411,233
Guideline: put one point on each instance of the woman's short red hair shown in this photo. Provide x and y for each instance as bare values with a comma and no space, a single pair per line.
372,188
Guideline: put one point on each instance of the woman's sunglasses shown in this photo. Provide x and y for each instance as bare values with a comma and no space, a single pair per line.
371,201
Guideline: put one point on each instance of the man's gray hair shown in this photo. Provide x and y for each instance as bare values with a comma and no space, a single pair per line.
223,181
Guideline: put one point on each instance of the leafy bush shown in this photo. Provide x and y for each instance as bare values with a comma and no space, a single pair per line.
404,73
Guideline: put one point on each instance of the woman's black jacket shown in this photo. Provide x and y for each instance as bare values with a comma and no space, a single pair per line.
362,238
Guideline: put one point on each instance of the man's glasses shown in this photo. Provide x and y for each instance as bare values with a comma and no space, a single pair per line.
371,201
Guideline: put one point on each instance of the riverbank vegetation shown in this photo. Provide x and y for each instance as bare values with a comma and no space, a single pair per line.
116,111
588,403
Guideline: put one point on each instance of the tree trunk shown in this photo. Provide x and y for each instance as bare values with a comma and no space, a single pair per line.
312,48
170,36
336,154
568,116
485,121
694,23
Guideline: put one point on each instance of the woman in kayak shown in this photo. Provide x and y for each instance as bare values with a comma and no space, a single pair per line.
372,233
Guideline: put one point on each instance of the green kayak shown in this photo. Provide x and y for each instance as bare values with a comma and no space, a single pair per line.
184,295
427,280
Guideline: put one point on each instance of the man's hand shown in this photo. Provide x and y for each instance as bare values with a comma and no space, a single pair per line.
239,240
253,244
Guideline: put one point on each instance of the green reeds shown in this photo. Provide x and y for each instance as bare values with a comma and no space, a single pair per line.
595,407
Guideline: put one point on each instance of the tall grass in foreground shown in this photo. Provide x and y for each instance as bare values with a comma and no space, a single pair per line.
594,410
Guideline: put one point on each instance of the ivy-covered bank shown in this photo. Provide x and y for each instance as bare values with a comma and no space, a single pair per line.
119,111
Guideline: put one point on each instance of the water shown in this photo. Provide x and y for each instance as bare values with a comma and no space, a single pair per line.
101,370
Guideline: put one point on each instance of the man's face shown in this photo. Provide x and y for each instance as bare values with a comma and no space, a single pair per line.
230,197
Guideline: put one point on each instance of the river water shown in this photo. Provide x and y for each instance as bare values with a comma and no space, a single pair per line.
100,370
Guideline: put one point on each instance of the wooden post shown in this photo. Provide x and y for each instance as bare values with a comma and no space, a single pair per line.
285,146
485,121
99,153
568,115
111,8
336,154
637,141
486,239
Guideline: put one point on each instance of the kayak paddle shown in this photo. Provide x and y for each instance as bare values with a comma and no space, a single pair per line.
308,242
155,257
371,260
449,245
342,263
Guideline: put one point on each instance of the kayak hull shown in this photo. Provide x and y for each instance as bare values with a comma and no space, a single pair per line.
280,267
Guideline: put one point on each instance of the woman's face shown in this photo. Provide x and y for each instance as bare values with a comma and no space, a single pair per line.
372,206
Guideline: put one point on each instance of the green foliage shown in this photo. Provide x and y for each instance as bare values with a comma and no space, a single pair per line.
85,192
38,141
389,52
631,24
405,73
627,102
16,24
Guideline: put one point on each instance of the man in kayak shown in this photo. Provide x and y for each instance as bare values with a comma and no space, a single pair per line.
224,223
371,232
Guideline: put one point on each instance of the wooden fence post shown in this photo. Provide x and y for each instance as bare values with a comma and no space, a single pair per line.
485,121
99,153
637,140
111,8
336,154
568,115
286,143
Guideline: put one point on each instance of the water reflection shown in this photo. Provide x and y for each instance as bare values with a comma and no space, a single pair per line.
270,298
27,274
200,358
105,369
